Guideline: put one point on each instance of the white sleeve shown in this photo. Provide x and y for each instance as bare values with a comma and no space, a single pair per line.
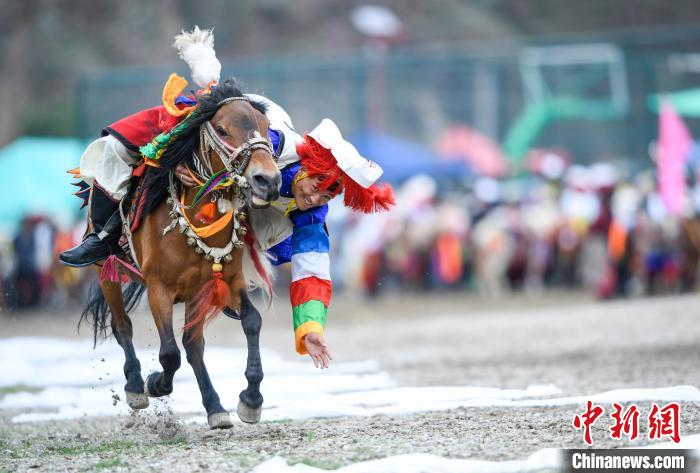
108,162
275,113
281,122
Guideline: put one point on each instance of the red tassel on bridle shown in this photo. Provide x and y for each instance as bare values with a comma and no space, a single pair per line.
207,213
206,305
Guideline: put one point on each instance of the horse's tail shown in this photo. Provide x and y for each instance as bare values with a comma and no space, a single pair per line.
97,312
257,268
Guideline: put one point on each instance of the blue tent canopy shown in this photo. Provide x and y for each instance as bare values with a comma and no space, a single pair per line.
37,182
36,179
402,159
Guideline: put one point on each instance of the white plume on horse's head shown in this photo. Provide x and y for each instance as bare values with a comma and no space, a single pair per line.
196,48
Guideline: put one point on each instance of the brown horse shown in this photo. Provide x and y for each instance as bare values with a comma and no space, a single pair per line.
223,134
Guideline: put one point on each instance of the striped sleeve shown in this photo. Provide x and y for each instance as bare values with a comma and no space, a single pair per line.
311,288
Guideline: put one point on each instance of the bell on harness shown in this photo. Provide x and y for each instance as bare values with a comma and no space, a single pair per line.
104,240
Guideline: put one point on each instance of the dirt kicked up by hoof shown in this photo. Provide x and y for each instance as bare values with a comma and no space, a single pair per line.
247,414
137,400
220,420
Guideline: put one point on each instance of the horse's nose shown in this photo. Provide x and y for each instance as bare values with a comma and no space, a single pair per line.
268,185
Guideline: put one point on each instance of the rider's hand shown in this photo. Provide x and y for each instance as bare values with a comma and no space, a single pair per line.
184,176
318,349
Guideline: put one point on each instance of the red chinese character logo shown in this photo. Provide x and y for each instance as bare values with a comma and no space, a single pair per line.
626,422
586,420
665,422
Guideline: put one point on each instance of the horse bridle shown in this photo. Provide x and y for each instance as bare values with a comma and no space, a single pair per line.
235,159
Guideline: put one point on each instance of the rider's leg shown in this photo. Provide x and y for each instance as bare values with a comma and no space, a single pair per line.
107,164
103,241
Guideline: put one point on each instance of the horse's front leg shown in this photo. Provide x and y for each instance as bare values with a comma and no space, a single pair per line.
250,404
217,416
123,333
161,302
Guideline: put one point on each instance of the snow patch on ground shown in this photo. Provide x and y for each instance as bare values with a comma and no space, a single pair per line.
77,381
542,460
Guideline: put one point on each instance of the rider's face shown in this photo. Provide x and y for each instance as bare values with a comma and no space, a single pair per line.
308,195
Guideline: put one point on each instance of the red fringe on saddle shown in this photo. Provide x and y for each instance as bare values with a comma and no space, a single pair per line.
110,270
137,204
206,305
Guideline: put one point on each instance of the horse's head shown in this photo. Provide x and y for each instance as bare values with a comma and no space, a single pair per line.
241,125
226,132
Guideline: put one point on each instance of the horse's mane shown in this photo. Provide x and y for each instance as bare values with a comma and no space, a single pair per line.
181,147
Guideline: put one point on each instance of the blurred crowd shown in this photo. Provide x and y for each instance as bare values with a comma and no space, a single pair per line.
559,225
31,275
562,225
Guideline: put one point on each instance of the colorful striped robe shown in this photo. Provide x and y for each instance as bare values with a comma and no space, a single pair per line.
308,250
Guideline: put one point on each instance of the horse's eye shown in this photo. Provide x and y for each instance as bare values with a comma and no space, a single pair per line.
221,131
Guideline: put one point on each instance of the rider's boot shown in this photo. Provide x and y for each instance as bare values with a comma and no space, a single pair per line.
104,240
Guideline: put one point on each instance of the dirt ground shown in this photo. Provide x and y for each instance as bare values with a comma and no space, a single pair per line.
581,346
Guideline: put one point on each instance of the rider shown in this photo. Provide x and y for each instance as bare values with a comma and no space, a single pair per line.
315,169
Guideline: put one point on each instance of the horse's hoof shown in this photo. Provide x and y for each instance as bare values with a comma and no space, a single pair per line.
249,415
137,400
151,389
149,392
220,420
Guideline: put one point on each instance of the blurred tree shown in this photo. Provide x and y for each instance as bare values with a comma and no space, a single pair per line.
15,24
46,45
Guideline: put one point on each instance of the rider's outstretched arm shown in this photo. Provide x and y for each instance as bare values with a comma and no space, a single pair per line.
311,288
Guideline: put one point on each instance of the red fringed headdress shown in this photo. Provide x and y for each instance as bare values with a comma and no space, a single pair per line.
325,153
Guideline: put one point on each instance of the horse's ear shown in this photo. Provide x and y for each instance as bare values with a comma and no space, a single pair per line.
196,48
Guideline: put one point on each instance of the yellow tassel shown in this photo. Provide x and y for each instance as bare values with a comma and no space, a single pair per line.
291,207
173,87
